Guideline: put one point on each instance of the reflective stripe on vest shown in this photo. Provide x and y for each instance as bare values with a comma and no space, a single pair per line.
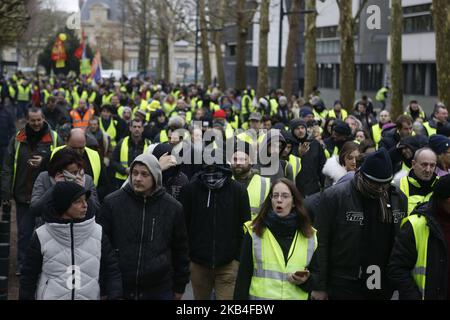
94,160
376,134
258,190
296,164
413,200
24,93
229,131
421,235
124,156
163,137
111,130
78,122
431,131
106,99
270,273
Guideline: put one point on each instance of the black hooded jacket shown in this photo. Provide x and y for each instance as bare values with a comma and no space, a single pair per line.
215,220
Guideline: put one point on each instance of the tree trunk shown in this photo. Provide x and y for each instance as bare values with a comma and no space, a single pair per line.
292,48
144,38
218,23
441,20
160,65
396,59
264,25
204,44
310,49
241,47
347,67
166,60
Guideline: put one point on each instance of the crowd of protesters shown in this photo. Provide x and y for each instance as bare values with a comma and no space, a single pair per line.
131,189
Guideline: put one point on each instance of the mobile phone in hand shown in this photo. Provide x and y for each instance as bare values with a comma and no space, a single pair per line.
302,273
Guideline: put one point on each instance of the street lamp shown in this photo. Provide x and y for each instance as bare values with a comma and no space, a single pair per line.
280,43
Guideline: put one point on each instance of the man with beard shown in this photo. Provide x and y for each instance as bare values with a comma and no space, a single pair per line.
310,179
358,220
257,187
418,185
27,155
403,129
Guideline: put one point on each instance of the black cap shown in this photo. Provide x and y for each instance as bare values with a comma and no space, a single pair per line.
378,167
343,128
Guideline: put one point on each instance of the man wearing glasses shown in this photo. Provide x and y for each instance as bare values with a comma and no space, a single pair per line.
419,183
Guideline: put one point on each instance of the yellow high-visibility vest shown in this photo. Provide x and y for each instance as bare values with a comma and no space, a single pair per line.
431,131
24,93
421,236
111,130
296,164
376,133
332,114
258,190
413,200
270,271
124,156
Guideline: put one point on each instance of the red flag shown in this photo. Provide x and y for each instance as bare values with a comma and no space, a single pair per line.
79,52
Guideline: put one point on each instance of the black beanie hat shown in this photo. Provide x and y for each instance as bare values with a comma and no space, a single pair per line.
439,143
343,128
442,188
295,123
378,166
65,193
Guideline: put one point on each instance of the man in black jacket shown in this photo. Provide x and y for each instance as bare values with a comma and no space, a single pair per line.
146,227
430,254
356,223
403,129
310,179
216,209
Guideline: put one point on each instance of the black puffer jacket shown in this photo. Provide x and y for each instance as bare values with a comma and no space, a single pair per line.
149,236
340,223
215,220
404,256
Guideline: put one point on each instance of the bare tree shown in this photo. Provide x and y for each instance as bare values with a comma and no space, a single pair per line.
347,24
43,23
396,59
204,43
292,47
217,9
441,19
310,49
139,20
14,20
264,28
245,11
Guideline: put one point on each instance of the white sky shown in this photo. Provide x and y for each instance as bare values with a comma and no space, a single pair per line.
67,5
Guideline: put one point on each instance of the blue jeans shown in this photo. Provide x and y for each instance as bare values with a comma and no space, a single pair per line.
22,109
25,228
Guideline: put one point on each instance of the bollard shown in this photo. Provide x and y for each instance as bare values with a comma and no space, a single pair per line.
4,259
3,288
5,227
4,250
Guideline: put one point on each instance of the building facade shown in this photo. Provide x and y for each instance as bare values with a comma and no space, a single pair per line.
103,24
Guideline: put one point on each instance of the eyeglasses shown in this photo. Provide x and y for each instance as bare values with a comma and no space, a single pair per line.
284,196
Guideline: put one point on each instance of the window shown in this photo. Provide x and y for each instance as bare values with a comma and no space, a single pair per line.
417,19
371,76
328,47
414,78
133,64
232,50
325,75
433,80
327,32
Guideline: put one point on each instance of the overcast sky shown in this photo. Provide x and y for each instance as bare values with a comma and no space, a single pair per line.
67,5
